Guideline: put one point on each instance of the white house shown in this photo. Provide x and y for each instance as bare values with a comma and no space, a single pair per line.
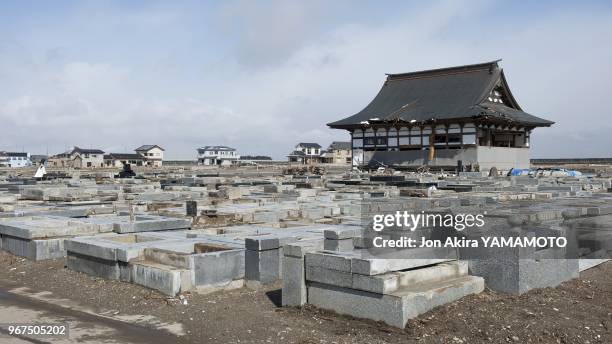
15,159
154,154
306,153
217,155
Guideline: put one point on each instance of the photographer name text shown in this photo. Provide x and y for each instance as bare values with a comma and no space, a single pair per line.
492,241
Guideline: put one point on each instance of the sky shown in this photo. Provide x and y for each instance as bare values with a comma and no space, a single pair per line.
262,76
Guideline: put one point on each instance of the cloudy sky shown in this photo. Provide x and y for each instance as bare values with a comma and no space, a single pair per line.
262,76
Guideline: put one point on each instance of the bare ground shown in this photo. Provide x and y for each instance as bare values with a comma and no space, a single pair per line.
579,311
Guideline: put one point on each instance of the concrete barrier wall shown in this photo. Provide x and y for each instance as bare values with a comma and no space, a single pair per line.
444,157
503,158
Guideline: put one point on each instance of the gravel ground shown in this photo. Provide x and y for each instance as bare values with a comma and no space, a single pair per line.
579,311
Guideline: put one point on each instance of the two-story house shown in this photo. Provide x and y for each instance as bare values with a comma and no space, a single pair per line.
338,153
153,154
306,153
217,155
15,159
79,158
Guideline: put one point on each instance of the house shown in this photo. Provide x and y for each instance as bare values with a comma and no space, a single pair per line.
338,152
445,117
78,158
38,159
15,159
120,159
217,155
154,155
84,157
306,153
60,160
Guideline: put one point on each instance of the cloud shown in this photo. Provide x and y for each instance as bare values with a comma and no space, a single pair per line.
262,77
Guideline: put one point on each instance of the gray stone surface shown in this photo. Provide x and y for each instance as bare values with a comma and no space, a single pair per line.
338,245
294,291
219,268
160,277
394,309
341,233
390,282
263,266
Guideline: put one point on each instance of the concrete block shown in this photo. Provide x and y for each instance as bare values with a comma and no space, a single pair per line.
402,260
329,260
518,276
294,291
151,223
300,248
93,266
338,245
219,268
263,266
34,249
393,281
340,233
394,309
329,276
159,277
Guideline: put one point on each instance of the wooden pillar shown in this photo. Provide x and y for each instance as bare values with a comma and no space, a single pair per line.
432,147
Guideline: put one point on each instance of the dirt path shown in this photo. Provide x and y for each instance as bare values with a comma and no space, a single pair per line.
82,327
579,311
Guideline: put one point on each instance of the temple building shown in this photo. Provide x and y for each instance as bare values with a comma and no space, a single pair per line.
459,116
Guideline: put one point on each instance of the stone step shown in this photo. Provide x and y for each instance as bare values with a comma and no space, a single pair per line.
364,263
389,282
393,281
167,279
397,308
585,264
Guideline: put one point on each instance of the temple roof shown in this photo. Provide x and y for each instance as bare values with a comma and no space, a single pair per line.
463,92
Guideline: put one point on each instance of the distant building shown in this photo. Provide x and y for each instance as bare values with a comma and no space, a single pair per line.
60,160
15,159
217,155
441,118
338,153
120,159
38,159
78,158
255,157
306,153
154,155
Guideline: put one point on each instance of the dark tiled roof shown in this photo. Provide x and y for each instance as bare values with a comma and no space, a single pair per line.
309,145
339,145
442,94
221,148
38,157
123,156
61,155
147,147
86,151
297,153
16,154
